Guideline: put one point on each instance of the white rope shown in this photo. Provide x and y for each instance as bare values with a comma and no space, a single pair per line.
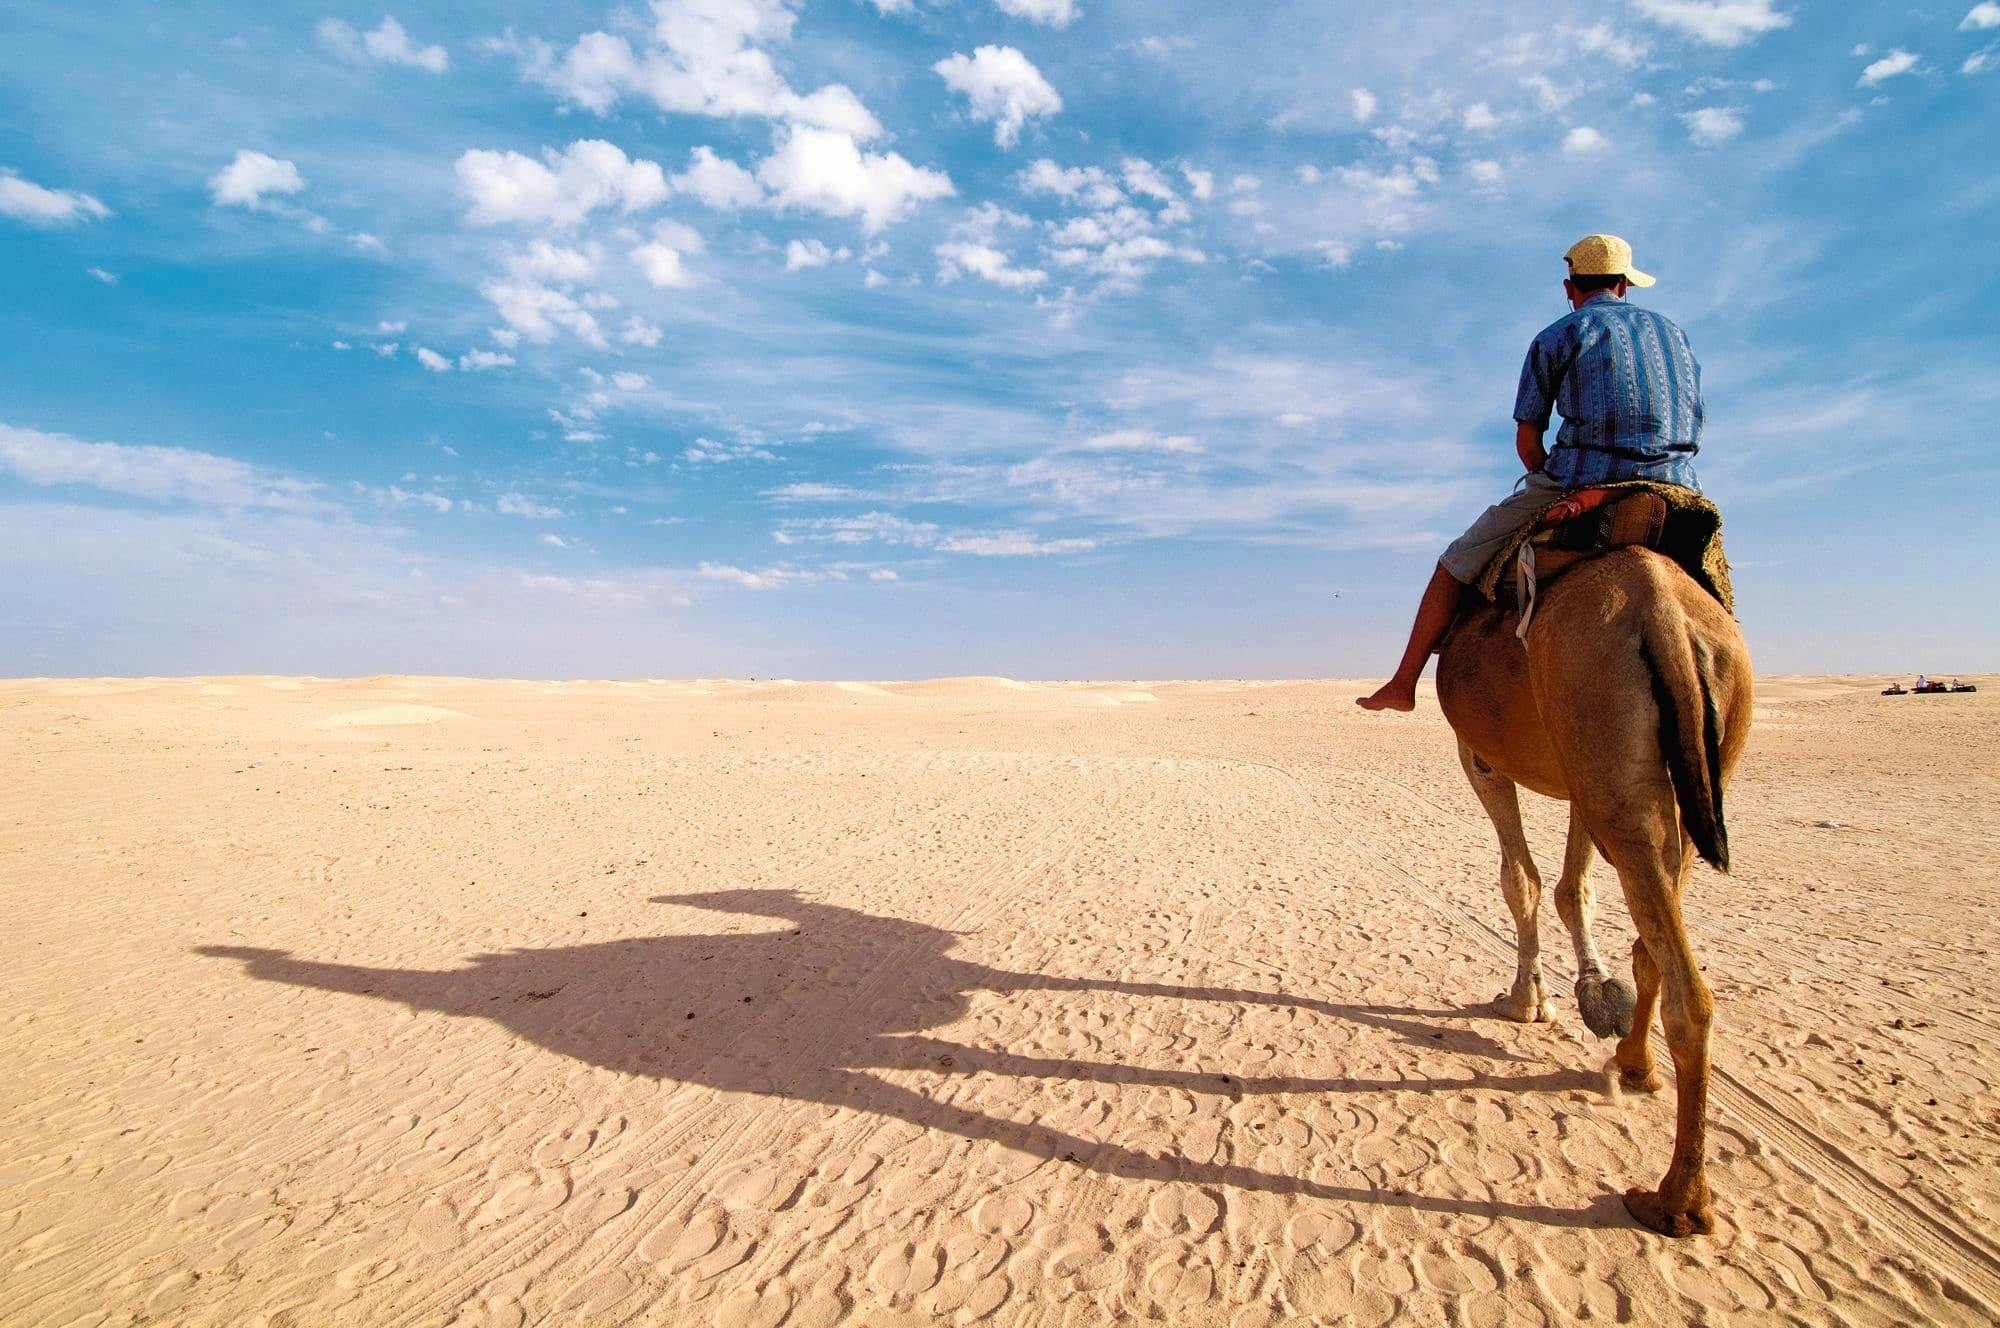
1524,587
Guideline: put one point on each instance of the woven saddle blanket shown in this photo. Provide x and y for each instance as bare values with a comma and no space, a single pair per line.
1688,530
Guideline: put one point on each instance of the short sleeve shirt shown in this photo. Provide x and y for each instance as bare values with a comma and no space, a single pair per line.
1628,389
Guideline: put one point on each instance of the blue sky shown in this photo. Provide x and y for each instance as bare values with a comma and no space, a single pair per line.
892,338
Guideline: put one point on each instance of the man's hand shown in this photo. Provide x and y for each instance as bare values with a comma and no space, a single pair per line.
1528,445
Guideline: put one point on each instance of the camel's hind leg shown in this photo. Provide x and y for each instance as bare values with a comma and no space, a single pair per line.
1635,1053
1653,878
1520,883
1605,1002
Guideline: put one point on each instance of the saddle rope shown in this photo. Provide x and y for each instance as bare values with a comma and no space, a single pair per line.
1524,586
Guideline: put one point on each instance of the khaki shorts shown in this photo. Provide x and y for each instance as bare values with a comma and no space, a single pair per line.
1471,552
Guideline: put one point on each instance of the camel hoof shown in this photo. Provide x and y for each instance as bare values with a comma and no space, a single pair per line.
1608,1005
1637,1080
1521,1011
1645,1206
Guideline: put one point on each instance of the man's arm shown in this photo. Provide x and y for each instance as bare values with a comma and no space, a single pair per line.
1528,445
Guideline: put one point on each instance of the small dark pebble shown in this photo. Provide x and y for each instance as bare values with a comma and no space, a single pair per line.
746,1000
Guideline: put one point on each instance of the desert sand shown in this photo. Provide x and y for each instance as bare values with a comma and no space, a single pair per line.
419,1001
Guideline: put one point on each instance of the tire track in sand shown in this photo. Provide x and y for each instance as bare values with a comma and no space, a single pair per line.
1933,1239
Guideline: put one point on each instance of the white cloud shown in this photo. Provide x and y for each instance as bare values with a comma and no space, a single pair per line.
1981,60
803,254
1012,544
984,261
1086,184
1583,139
99,274
1716,22
560,190
388,43
1364,104
542,261
1484,172
250,179
433,361
710,451
1144,178
627,381
1889,66
769,578
718,182
1549,94
703,57
1479,118
367,244
437,502
536,311
1004,88
1054,13
157,474
1202,183
478,361
555,541
660,257
825,171
27,201
1601,39
1981,17
1139,440
638,332
882,574
515,504
392,329
386,349
1712,126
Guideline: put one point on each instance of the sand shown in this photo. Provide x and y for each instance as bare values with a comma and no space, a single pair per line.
419,1002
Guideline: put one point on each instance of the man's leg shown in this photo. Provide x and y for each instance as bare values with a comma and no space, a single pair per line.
1434,614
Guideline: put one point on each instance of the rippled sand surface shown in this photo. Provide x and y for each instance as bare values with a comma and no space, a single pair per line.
426,1001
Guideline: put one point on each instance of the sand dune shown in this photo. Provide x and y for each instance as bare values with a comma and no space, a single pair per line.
426,1001
392,716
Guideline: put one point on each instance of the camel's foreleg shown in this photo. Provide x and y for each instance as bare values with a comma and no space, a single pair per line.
1681,1206
1606,1002
1521,885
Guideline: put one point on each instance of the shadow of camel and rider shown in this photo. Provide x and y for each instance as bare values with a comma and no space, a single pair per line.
807,1013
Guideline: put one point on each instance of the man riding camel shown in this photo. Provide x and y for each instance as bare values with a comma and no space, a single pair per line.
1629,391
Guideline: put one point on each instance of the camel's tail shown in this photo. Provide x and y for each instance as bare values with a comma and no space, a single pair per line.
1690,729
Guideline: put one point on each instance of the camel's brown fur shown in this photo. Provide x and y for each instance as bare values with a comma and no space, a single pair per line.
1631,700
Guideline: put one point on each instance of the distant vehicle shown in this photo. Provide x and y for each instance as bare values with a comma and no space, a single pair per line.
1957,686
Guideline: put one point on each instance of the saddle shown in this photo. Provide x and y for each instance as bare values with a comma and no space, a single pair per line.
1667,518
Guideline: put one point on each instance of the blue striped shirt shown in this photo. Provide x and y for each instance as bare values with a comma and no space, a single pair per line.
1629,391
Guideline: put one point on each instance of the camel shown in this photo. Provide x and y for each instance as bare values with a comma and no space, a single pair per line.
1631,701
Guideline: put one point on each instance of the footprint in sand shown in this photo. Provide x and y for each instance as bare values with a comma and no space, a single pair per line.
1003,1214
904,1271
1181,1210
436,1226
755,1309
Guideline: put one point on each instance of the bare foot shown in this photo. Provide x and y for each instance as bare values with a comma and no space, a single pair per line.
1392,696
